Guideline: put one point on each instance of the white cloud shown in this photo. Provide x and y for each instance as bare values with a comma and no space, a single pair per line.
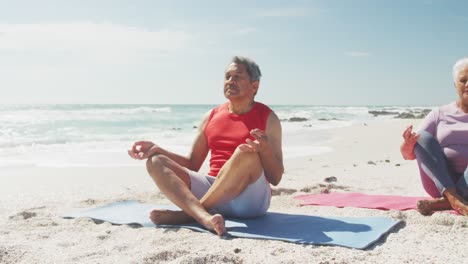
358,54
286,12
245,31
88,37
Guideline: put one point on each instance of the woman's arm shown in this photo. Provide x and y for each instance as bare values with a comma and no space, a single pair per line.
409,141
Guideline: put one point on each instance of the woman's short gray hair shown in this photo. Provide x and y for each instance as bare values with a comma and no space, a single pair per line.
459,65
252,67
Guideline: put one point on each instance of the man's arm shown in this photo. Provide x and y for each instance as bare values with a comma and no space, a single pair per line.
271,154
200,148
193,161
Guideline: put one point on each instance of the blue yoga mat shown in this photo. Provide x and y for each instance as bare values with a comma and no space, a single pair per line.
352,232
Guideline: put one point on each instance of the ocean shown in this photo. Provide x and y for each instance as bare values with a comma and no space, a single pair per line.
68,135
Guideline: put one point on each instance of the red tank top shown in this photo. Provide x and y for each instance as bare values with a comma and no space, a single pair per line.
225,131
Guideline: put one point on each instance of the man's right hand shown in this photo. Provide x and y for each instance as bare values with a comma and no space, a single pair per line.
142,150
410,139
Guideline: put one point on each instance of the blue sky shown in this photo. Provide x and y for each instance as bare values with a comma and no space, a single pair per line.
328,52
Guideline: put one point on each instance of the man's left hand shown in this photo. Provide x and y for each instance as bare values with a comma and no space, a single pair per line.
257,145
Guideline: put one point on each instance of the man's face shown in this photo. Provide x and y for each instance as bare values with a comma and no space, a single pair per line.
237,83
461,83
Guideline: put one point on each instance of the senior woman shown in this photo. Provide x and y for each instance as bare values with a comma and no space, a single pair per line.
441,150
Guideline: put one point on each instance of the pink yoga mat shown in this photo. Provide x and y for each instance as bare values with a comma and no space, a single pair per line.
382,202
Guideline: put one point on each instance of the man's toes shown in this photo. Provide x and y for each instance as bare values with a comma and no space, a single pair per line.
217,223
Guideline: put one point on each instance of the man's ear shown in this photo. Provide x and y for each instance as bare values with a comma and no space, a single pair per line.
255,85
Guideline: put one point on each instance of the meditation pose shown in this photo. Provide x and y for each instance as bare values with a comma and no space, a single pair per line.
441,150
244,140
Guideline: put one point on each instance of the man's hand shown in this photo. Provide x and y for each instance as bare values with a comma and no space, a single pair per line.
257,145
410,139
142,150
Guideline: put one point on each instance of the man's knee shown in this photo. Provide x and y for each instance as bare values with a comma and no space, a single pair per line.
246,157
156,163
247,162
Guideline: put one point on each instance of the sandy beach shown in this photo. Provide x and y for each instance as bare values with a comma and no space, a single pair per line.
365,158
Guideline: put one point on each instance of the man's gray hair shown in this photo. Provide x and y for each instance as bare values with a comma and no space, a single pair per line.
459,65
252,67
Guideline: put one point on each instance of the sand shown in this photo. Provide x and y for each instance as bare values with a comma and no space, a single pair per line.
365,159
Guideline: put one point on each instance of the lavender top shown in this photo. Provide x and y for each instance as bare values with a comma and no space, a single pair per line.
449,125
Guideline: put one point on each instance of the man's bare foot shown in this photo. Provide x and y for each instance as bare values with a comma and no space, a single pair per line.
427,207
214,223
217,224
168,217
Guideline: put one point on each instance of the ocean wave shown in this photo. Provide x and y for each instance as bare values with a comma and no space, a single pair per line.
35,116
60,135
401,112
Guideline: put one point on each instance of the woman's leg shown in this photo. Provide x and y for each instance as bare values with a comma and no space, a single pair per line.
462,185
432,163
436,178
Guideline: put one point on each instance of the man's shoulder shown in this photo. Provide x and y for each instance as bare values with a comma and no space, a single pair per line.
220,106
269,113
264,106
261,104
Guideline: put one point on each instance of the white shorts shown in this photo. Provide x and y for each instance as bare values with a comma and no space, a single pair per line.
252,202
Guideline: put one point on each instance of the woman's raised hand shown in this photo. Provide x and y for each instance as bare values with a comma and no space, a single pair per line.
410,139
